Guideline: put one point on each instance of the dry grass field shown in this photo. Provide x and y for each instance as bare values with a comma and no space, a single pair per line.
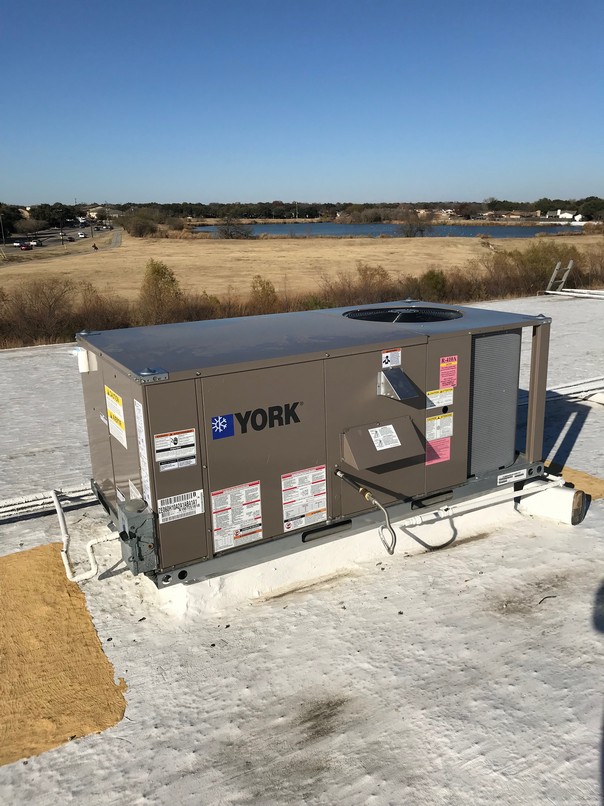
220,267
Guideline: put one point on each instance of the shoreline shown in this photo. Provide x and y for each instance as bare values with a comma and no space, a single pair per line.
457,222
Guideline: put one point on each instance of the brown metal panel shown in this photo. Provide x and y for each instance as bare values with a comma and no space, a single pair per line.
352,400
275,424
118,394
98,431
361,452
538,388
172,410
442,472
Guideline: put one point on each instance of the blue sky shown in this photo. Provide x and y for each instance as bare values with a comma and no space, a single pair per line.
326,100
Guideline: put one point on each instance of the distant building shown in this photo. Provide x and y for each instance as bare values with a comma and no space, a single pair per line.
518,214
92,212
562,215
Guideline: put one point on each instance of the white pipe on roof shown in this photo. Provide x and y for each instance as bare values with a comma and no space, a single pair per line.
27,504
92,572
588,389
494,497
571,293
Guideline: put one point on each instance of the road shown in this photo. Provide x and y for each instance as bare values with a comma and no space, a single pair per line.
52,238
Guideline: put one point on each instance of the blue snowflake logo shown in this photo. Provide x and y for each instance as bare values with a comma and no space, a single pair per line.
223,425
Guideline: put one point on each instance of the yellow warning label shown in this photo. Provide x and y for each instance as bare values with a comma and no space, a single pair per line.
115,413
440,397
113,395
116,420
439,427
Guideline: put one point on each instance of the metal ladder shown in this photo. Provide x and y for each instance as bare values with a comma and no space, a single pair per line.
556,282
556,285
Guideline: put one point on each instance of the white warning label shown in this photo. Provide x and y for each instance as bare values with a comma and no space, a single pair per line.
439,397
142,450
237,515
115,415
439,427
175,449
391,358
180,506
384,437
304,497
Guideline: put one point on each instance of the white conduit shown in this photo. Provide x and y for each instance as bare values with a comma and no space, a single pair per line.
581,389
580,295
587,292
89,548
27,504
495,497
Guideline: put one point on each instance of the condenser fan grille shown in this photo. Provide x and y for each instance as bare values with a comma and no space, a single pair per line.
407,314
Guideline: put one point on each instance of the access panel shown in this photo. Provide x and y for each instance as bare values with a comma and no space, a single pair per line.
176,461
264,432
374,438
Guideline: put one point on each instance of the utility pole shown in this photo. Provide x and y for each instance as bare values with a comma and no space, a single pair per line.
3,238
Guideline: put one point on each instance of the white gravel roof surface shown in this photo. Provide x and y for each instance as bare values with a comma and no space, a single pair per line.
467,676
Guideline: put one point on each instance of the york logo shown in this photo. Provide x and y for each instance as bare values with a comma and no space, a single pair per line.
223,425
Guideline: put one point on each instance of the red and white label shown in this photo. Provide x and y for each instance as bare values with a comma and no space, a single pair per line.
438,451
304,497
391,358
237,515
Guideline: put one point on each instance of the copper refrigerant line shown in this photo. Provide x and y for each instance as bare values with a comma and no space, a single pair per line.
385,528
499,496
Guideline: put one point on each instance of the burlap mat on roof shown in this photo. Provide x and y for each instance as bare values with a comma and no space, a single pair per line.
592,485
56,683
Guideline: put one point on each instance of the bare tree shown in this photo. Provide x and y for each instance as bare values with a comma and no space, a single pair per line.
27,226
231,227
413,224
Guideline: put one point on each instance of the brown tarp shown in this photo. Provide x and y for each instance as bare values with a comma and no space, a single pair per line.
56,684
592,485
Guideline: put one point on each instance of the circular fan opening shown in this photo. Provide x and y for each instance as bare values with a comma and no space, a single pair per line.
404,314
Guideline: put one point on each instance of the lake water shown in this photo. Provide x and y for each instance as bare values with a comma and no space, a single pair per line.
318,230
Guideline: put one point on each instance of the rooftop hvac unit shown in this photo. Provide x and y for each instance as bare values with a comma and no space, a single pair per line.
223,443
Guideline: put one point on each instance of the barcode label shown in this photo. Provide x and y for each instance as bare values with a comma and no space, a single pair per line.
180,506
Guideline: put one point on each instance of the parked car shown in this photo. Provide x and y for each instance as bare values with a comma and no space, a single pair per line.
35,242
71,238
17,243
26,247
82,235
